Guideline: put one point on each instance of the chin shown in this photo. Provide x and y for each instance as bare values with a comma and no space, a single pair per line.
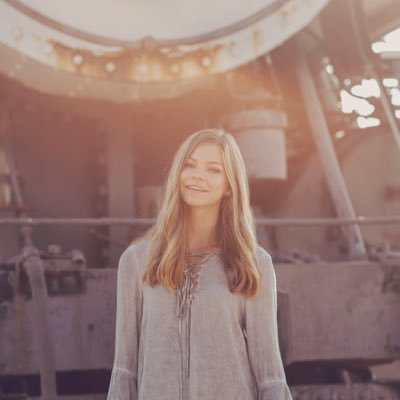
194,203
200,204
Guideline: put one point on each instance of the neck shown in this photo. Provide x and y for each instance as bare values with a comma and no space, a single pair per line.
201,229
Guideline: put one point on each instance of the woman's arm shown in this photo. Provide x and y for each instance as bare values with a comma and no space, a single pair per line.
123,384
262,335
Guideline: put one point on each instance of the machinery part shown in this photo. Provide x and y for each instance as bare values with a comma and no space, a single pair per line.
26,231
388,110
360,220
323,307
64,274
333,304
372,184
347,43
261,137
120,170
63,55
333,175
42,336
355,391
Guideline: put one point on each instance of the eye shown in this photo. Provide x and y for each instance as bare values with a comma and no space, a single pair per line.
215,170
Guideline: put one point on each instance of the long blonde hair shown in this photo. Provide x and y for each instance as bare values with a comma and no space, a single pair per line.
236,230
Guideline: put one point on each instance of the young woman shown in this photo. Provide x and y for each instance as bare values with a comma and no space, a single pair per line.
196,299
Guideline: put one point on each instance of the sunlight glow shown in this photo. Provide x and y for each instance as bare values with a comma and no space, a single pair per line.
390,82
367,122
329,69
368,88
355,97
390,42
351,103
396,99
340,134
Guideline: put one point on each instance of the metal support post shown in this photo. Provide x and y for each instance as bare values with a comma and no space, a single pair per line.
388,110
327,155
120,178
42,333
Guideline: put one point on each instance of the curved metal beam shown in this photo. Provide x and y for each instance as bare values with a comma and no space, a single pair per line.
27,38
107,41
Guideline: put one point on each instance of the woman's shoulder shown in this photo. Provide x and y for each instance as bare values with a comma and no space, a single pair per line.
264,261
138,247
262,254
135,253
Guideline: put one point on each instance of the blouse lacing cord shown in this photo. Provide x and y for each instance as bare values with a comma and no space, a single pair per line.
186,293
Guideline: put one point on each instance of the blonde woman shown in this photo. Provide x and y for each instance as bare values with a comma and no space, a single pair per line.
196,298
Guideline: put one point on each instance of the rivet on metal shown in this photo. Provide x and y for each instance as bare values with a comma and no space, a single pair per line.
142,69
329,69
110,66
77,59
175,68
234,50
206,62
16,33
47,48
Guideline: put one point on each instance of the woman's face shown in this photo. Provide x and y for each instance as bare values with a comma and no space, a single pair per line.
203,181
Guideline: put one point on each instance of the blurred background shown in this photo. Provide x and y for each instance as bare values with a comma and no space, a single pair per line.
95,98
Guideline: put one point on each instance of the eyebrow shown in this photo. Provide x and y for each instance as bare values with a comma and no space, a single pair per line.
208,162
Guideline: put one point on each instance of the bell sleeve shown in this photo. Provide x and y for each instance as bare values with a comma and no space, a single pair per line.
123,383
261,330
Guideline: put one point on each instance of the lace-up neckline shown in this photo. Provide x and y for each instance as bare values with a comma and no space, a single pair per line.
185,295
188,287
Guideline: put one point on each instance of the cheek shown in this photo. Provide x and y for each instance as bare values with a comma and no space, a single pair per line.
220,183
182,176
181,181
224,181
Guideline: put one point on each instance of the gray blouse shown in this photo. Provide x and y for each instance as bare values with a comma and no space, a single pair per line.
225,347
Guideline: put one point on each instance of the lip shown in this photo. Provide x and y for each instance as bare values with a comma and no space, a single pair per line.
195,188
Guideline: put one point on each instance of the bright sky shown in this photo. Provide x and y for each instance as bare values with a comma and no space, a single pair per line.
390,42
355,97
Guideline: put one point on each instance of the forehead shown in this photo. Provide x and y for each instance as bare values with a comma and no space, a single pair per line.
209,152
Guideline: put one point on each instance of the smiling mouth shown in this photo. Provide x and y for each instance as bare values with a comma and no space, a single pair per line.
197,188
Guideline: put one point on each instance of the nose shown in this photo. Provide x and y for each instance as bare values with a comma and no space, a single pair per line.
197,174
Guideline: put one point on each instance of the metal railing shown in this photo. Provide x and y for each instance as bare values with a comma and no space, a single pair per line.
305,222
